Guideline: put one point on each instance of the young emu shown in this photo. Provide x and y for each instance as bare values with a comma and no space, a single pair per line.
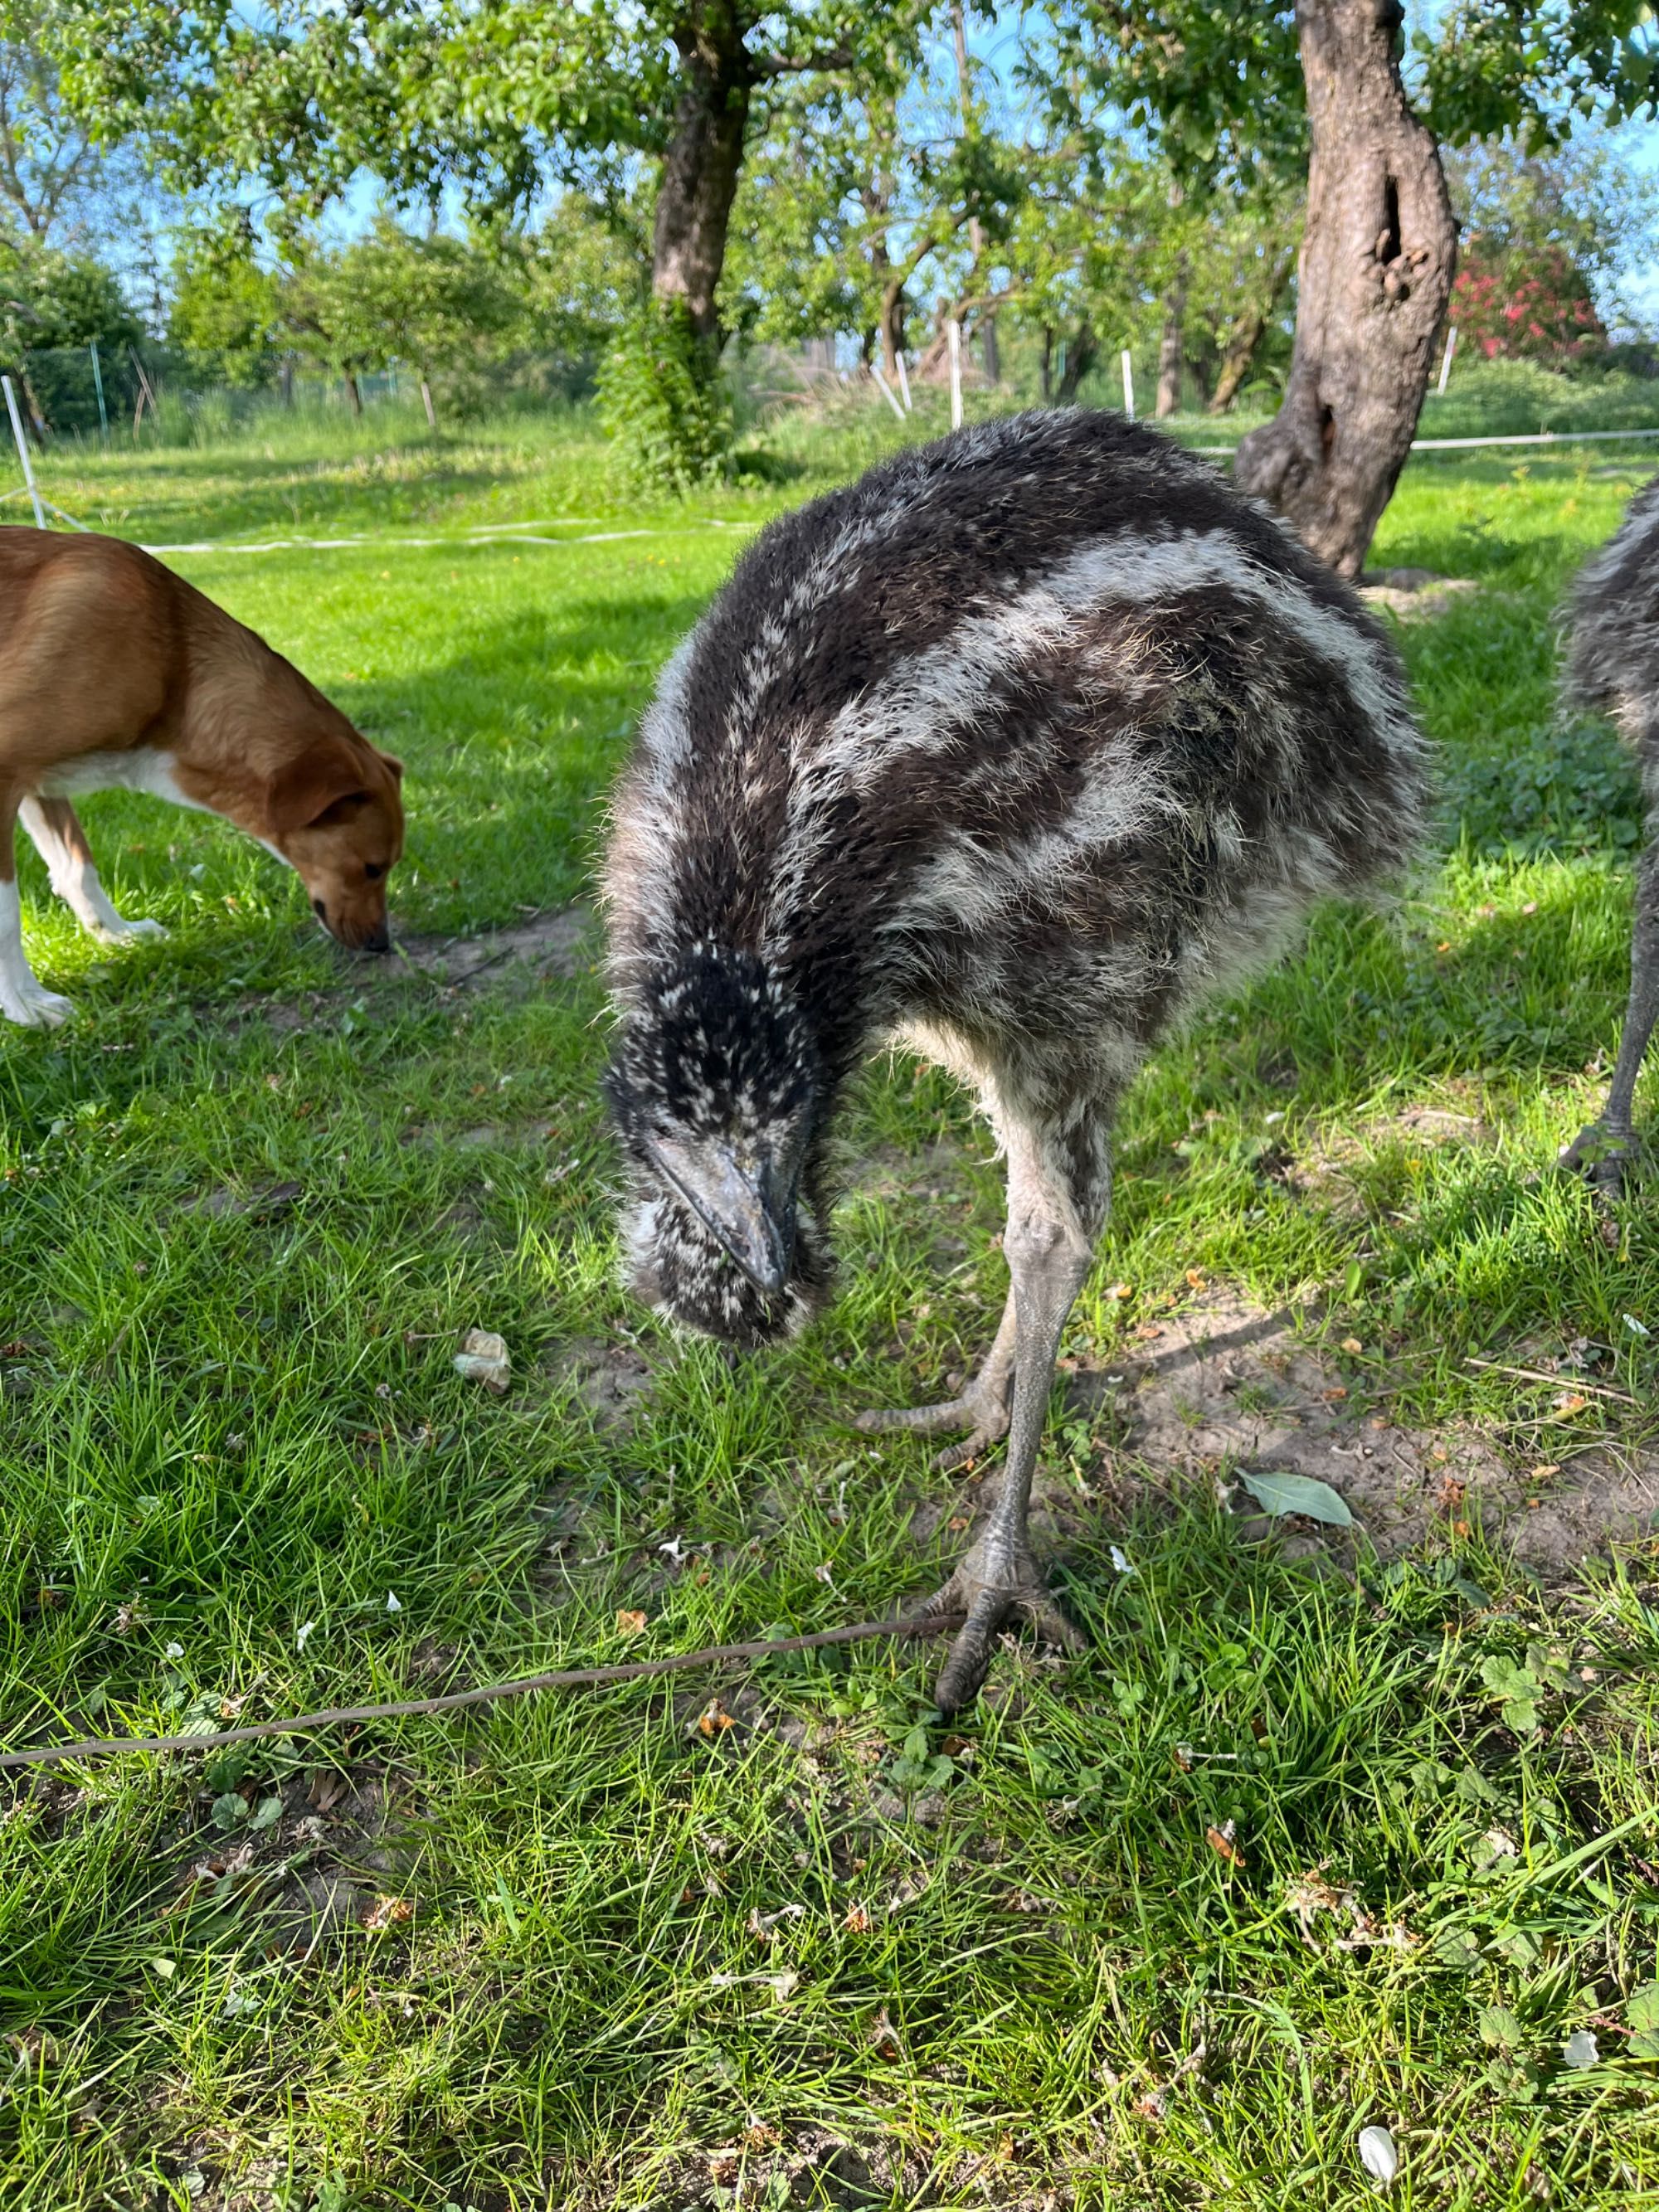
1613,664
1012,750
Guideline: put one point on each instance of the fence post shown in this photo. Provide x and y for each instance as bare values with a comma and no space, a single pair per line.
1446,359
904,380
23,453
953,340
1128,385
886,390
98,386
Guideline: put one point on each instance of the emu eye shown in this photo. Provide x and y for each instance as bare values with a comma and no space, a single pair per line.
375,870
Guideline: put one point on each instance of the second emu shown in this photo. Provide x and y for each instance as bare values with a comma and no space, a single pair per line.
1014,750
1613,664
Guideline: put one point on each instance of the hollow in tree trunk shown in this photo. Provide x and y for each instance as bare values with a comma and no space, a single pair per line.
700,168
1378,259
1170,348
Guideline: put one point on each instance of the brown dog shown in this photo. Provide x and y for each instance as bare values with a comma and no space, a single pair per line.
116,674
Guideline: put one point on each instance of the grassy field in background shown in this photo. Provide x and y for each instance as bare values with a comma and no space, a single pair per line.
585,1952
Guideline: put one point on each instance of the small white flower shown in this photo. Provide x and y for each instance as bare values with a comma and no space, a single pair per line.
393,1604
1378,2155
173,1652
1120,1561
306,1630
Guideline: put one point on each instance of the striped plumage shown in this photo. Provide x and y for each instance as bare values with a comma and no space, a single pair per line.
1015,749
1613,664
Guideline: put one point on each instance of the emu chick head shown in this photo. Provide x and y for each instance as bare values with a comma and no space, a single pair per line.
716,1091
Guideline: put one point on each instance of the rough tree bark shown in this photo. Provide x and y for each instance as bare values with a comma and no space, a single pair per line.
1378,259
700,168
1169,343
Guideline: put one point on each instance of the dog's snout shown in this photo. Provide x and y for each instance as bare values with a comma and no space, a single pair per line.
320,911
378,939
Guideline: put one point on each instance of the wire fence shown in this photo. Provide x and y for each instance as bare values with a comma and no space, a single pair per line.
148,392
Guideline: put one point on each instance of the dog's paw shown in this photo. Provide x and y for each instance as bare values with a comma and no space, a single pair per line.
121,930
34,1007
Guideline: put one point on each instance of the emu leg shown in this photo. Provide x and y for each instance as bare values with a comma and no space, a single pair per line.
1605,1151
1052,1216
981,1408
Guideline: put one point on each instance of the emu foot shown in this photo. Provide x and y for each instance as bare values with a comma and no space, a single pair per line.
1606,1157
982,1409
989,1592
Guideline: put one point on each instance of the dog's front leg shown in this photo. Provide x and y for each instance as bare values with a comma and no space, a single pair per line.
62,844
23,998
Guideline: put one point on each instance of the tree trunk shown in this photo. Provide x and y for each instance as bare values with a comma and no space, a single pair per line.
1378,259
285,380
1169,348
702,166
1245,338
891,325
1081,350
354,396
1046,363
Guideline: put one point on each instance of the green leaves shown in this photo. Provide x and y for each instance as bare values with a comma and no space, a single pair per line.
1279,1493
1522,1688
662,400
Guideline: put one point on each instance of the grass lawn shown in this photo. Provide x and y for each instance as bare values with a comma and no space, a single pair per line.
624,1949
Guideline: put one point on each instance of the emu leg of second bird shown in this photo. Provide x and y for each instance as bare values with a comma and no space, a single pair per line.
1058,1185
1605,1151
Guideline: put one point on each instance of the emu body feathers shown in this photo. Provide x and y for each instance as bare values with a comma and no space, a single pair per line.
1613,663
1017,748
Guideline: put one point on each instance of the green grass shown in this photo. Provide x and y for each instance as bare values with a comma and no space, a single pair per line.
230,1433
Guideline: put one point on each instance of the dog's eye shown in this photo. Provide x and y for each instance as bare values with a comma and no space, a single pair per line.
375,870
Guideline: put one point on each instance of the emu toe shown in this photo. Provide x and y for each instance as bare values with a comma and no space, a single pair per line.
1607,1158
991,1594
980,1409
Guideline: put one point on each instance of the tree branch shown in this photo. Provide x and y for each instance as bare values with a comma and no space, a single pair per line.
827,57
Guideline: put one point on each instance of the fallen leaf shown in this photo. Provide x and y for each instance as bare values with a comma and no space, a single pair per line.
1220,1841
1120,1561
387,1912
1581,2051
884,2037
857,1921
483,1359
1122,1290
1150,2106
1277,1493
1543,1473
1335,1396
713,1719
1378,2155
1352,1344
1196,1279
1570,1403
630,1623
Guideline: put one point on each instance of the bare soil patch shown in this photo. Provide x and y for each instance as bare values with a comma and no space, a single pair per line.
1223,1386
1413,594
563,944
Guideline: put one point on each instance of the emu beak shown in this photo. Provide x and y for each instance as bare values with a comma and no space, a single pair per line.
741,1202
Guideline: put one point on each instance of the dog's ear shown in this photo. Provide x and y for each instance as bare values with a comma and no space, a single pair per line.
302,791
395,765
